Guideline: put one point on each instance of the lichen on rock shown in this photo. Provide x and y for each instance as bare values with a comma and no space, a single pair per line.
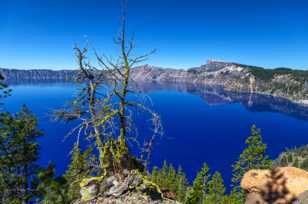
89,188
131,187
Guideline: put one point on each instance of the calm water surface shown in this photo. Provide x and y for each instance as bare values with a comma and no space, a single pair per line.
200,124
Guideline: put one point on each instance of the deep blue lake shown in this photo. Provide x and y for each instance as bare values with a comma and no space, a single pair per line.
201,124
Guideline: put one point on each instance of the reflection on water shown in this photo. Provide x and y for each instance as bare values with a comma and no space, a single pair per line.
215,95
212,95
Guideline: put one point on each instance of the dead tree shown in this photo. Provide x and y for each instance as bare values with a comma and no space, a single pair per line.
106,115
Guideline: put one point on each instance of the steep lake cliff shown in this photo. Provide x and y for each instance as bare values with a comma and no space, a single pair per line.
281,82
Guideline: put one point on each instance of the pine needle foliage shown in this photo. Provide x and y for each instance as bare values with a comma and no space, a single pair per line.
253,157
18,153
167,178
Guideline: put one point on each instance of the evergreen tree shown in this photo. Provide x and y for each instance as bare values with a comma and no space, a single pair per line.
81,166
200,187
171,185
18,154
296,163
163,175
290,158
155,177
216,189
168,178
5,91
234,197
51,189
304,164
284,161
181,185
253,157
65,189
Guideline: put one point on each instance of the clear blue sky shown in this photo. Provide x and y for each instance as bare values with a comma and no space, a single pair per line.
270,33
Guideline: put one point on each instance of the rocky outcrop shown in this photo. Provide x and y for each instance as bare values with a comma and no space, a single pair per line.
278,186
282,82
213,73
132,189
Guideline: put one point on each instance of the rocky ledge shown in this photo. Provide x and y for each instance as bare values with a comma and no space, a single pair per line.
132,189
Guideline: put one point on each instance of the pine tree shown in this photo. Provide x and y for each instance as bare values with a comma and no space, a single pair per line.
304,164
5,91
18,154
65,189
296,163
81,166
49,188
155,175
216,189
253,157
200,187
170,179
283,161
234,198
181,185
164,175
290,158
171,185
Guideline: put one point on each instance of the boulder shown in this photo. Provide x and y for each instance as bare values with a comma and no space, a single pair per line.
131,188
278,186
128,198
89,188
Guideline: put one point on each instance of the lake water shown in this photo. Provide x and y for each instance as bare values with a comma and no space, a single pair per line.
201,124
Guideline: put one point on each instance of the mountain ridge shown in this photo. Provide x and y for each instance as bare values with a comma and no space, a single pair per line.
283,82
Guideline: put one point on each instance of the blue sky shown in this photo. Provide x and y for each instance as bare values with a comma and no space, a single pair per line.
270,33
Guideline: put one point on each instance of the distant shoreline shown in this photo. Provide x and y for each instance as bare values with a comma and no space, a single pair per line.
280,82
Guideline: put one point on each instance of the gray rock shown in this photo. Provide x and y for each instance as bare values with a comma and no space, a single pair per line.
132,189
107,184
137,181
89,192
117,190
125,172
132,198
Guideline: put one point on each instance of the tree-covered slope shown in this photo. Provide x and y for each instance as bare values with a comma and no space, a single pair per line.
297,157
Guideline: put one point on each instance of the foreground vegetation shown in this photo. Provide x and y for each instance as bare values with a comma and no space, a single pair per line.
208,187
297,157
